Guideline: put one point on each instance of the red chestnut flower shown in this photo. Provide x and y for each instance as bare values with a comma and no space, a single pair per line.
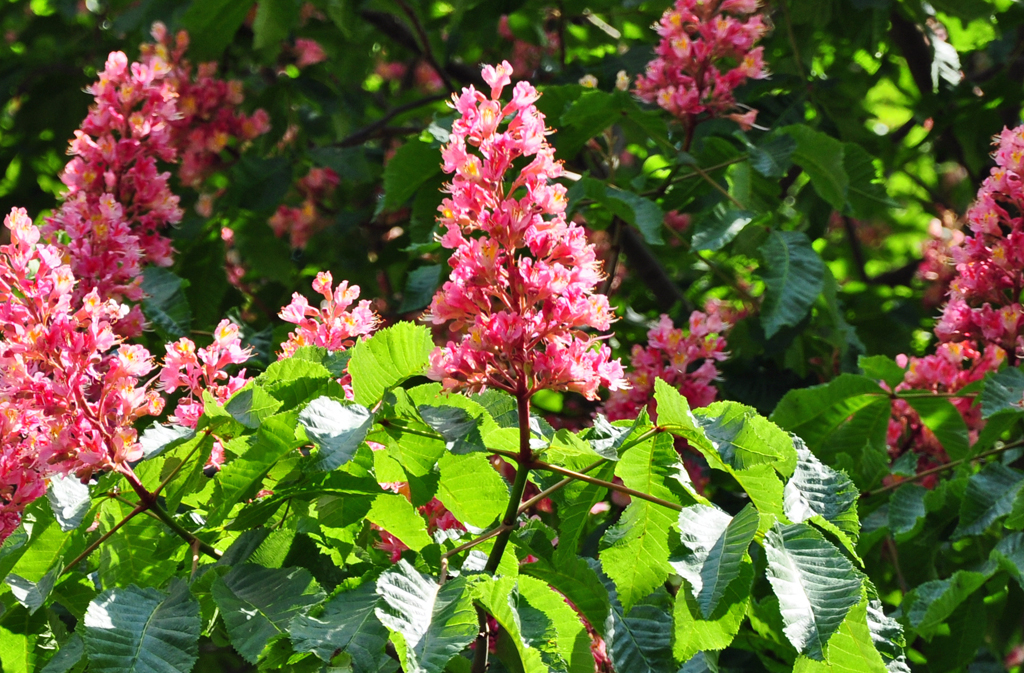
523,278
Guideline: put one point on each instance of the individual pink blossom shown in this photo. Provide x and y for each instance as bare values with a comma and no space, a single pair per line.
523,279
706,51
334,325
308,52
70,389
203,369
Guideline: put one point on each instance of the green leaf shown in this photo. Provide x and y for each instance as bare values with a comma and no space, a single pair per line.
387,358
1004,391
142,630
471,489
772,157
240,478
295,380
32,595
413,164
694,633
572,577
337,430
436,622
716,545
931,603
816,585
638,211
212,25
718,230
251,405
67,657
349,624
822,158
702,662
907,509
539,609
882,368
397,516
70,501
742,438
420,287
165,305
500,598
639,640
866,194
459,428
943,419
851,649
274,20
817,490
132,556
990,495
793,276
158,438
1009,554
887,636
635,550
259,603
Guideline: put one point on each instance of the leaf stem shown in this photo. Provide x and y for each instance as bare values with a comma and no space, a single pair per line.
607,484
943,468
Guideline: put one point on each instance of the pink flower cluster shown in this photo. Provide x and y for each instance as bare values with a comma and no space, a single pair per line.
118,202
982,324
303,222
332,326
984,297
308,52
208,118
70,390
203,369
684,359
524,288
700,39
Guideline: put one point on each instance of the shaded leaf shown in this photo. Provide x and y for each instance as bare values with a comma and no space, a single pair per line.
715,232
142,630
822,158
990,495
349,624
793,276
943,419
337,430
165,305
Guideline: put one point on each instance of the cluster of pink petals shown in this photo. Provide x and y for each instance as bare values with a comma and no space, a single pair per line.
523,278
982,323
437,516
984,297
308,52
118,202
70,389
208,119
952,366
196,370
332,326
301,223
937,268
422,75
706,51
685,359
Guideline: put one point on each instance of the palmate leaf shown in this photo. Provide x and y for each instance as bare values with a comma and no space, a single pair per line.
887,636
635,550
337,430
435,622
572,577
32,595
142,630
906,509
67,657
821,156
716,545
471,490
395,514
70,501
702,662
259,603
349,624
500,598
743,439
1004,392
541,611
816,585
990,495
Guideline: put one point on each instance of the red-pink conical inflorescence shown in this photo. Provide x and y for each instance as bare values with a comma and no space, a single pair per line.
706,51
523,278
